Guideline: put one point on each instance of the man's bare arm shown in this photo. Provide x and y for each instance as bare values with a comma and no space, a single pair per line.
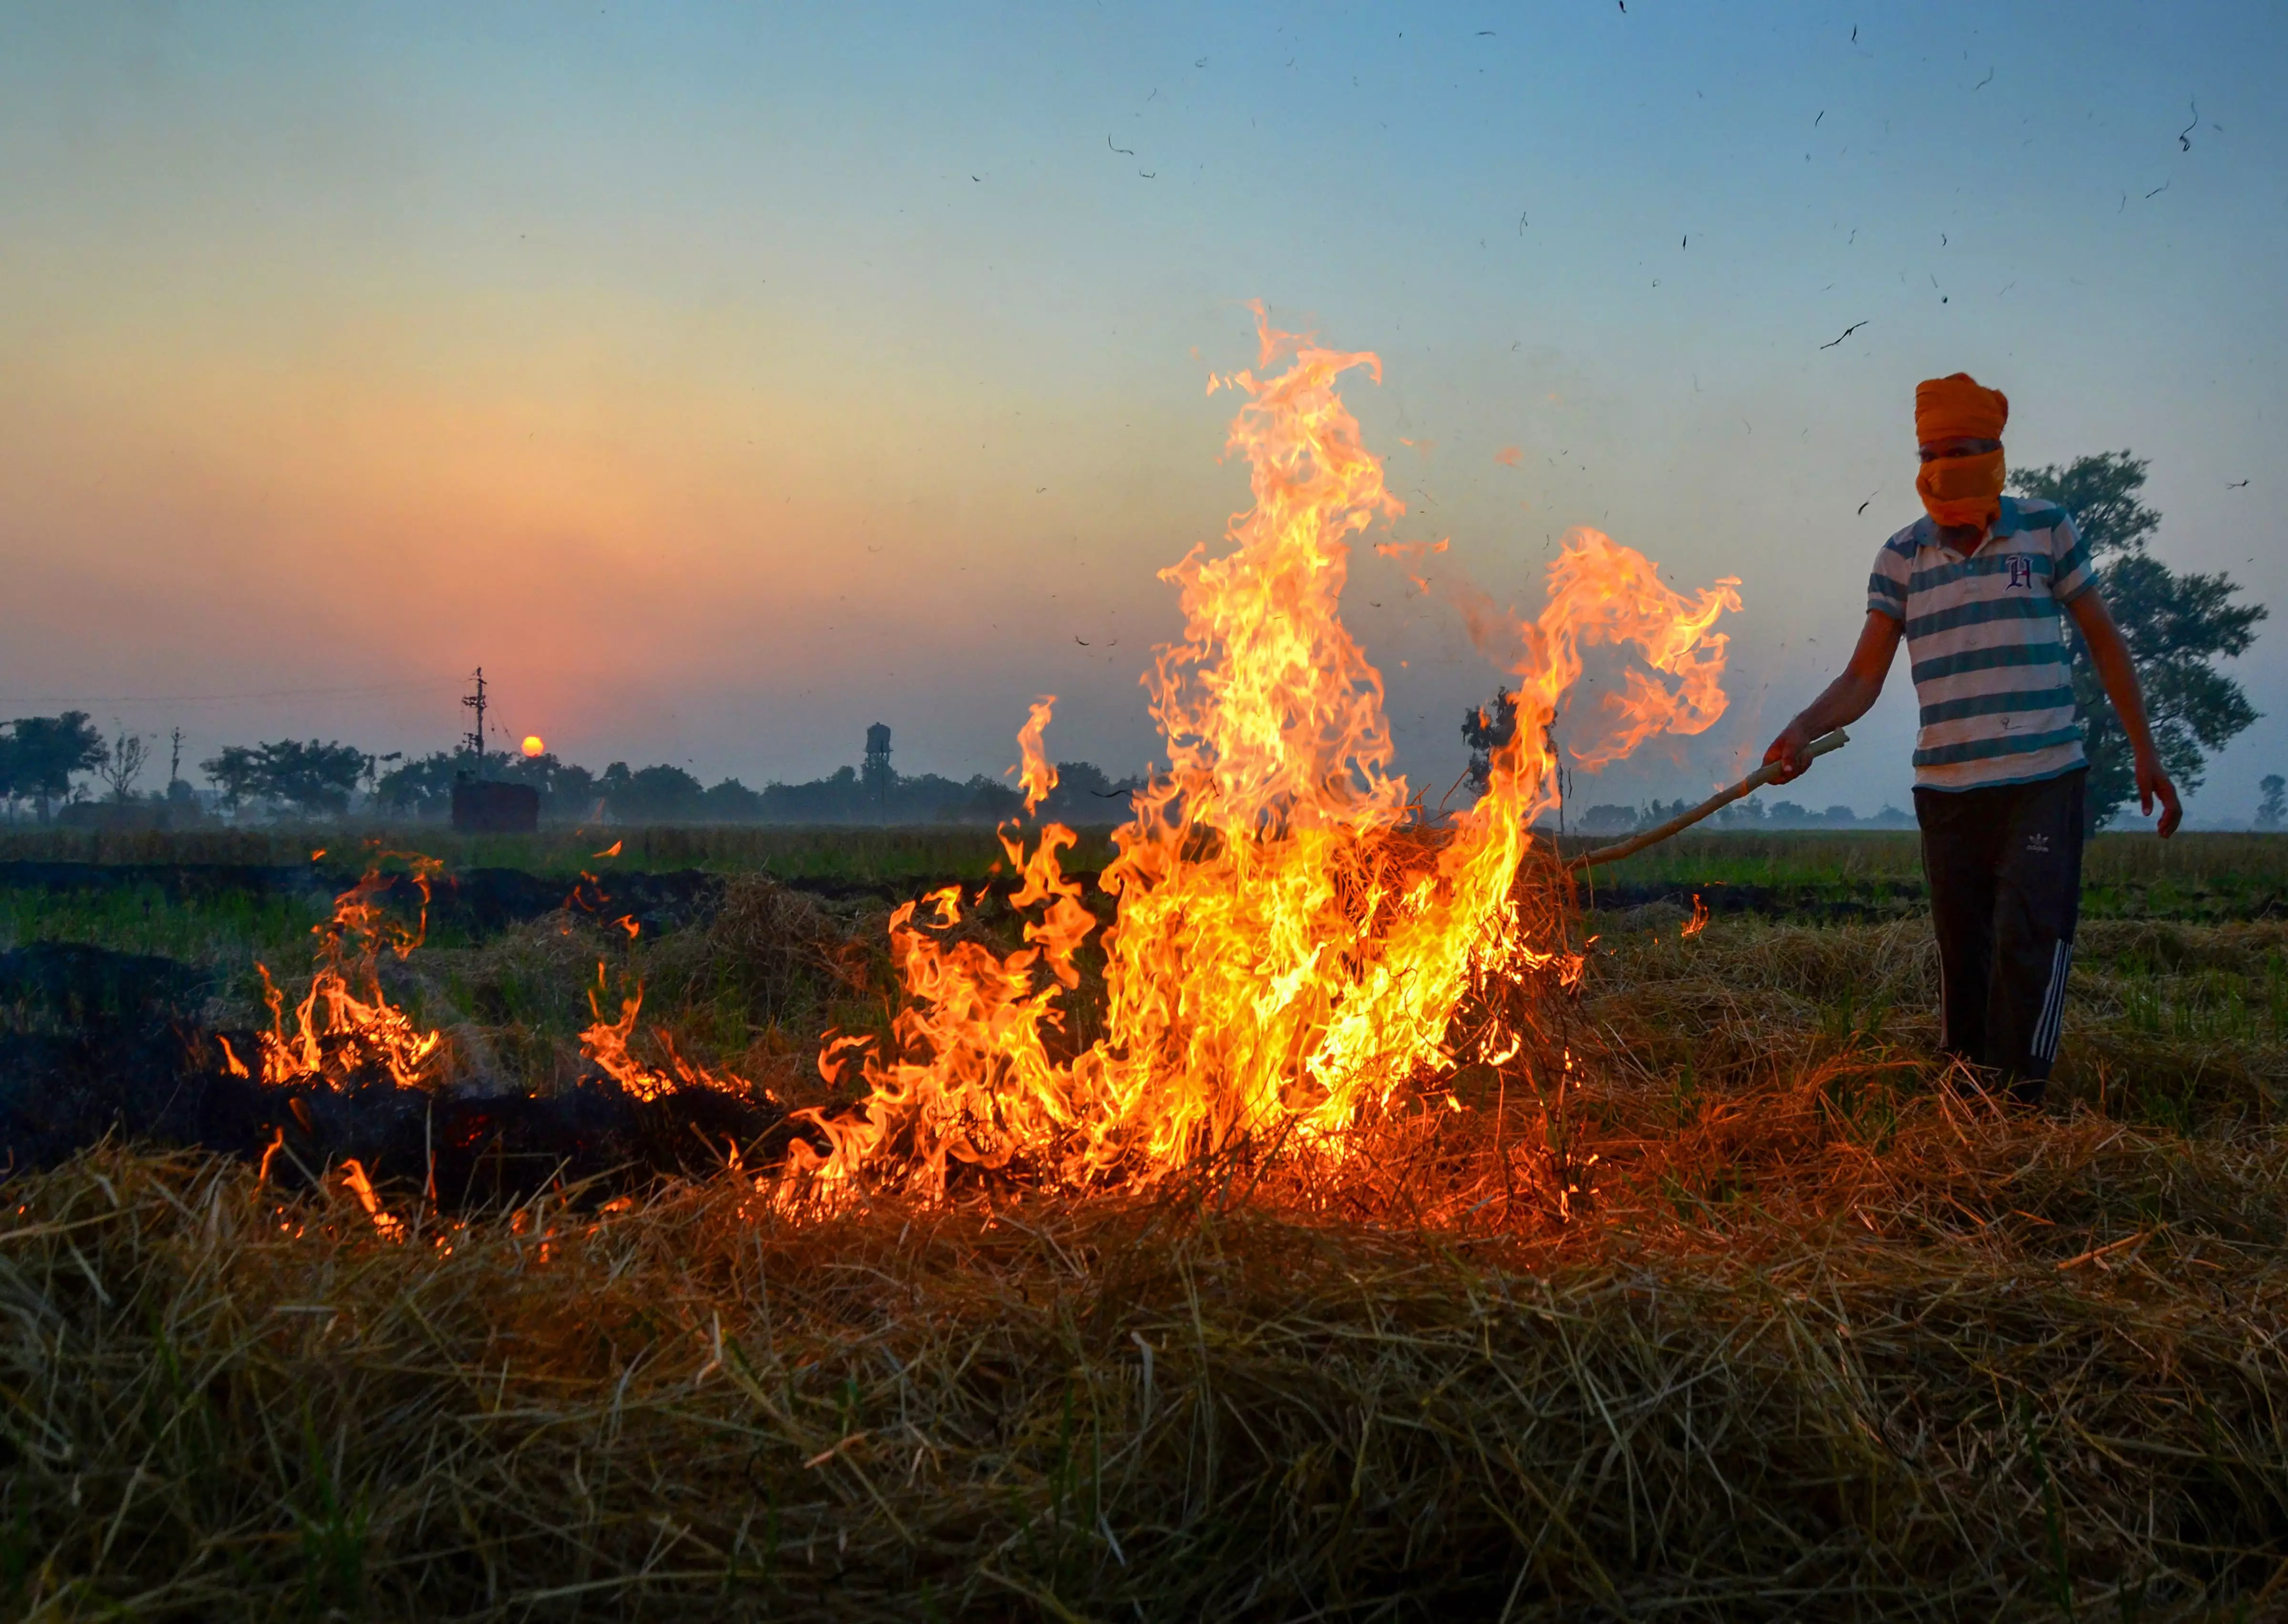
1846,699
2118,673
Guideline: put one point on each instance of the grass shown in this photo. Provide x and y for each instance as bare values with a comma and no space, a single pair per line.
1755,1309
846,852
226,929
2123,875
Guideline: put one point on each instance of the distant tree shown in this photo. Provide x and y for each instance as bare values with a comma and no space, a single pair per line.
984,800
2177,628
129,754
2272,811
422,787
234,773
313,778
1609,819
45,752
654,795
1487,728
567,788
731,801
1085,793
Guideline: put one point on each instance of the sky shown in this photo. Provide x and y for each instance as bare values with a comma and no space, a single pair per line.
723,379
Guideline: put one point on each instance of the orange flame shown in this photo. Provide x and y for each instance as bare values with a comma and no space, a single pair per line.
354,1180
1290,943
606,1045
345,1023
1698,923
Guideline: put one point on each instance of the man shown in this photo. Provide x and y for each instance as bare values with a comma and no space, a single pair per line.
1975,586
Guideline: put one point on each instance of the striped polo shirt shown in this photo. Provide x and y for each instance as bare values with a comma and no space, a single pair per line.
1987,640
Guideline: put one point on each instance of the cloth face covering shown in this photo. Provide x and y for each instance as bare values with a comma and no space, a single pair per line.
1963,490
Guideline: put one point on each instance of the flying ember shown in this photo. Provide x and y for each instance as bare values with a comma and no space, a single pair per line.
1292,938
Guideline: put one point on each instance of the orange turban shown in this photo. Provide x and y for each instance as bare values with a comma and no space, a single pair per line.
1958,407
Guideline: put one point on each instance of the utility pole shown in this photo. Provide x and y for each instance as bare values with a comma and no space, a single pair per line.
475,739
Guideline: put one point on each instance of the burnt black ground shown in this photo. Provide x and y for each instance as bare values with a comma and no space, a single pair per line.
94,1043
478,902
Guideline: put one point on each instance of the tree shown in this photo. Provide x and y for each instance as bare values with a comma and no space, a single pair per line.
45,751
2272,811
313,778
654,795
1486,728
129,753
2176,626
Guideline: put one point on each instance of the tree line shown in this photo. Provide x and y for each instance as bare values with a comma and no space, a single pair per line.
42,759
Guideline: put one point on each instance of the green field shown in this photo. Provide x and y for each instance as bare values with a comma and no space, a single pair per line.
1723,1298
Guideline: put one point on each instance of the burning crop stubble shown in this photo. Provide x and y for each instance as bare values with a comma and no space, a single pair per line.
1761,1307
1677,1279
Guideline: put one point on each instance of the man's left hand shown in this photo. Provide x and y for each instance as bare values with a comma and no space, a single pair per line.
2153,784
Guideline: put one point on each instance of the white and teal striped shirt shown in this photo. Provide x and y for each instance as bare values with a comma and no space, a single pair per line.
1987,642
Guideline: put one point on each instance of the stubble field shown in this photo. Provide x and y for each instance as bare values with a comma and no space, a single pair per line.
1720,1298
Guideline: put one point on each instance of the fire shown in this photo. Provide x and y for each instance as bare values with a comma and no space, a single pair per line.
1698,923
345,1023
1291,939
355,1180
533,744
606,1044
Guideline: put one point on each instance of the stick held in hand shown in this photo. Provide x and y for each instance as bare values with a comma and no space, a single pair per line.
1715,802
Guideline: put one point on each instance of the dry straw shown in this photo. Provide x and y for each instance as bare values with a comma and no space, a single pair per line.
1748,1313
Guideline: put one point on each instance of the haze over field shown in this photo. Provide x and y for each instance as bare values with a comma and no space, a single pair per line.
724,382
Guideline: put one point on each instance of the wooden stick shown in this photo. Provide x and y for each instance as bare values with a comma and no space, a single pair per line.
1715,802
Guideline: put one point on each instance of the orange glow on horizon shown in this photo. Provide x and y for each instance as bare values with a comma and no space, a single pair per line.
532,744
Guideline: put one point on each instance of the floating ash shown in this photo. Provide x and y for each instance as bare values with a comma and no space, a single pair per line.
1291,939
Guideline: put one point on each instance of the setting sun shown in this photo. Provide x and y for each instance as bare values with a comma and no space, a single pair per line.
532,744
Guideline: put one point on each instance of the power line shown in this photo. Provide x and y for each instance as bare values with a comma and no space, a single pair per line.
430,684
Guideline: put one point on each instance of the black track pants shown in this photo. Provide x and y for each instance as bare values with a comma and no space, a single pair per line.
2004,867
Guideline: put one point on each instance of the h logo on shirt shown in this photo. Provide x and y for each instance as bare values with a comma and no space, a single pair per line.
2022,572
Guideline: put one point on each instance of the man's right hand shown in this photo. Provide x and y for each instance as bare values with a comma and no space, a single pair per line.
1787,749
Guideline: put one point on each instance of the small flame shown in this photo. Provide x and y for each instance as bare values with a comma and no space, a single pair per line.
353,1179
1698,923
611,851
345,1023
606,1045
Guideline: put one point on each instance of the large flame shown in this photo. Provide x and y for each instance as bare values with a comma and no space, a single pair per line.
1291,942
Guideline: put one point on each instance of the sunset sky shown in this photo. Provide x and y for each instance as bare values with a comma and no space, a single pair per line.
725,379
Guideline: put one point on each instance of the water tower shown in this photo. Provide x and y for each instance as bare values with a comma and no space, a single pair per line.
876,774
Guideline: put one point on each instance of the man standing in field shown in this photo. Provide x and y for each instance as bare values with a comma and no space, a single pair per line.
1975,586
